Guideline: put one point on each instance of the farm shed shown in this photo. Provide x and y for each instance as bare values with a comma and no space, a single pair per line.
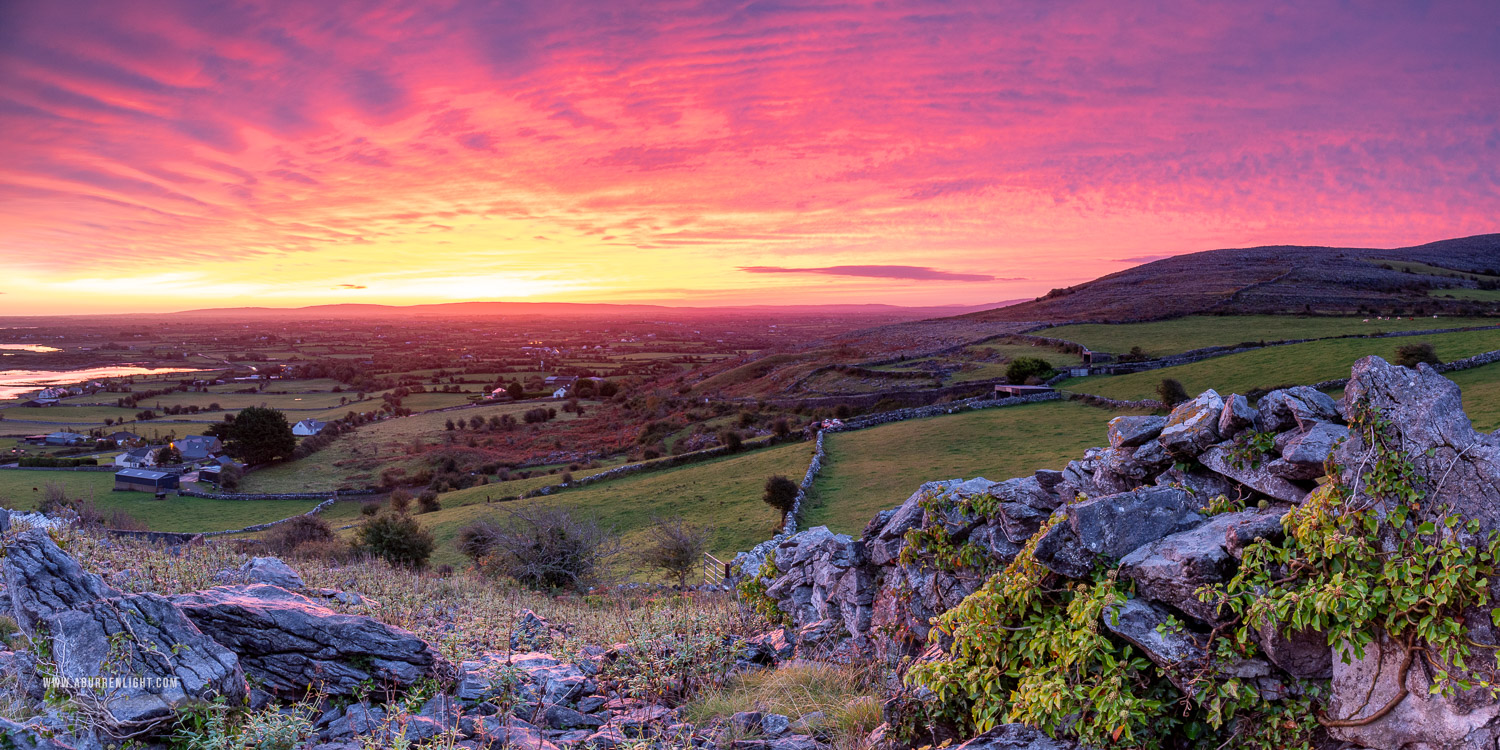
142,480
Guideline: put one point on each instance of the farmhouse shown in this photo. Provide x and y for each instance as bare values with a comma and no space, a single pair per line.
145,480
560,392
50,396
308,427
66,438
560,381
197,447
126,439
137,458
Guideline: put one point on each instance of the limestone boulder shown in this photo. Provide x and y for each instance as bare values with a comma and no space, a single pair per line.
287,642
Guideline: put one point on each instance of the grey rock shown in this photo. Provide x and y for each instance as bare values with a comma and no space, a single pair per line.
1202,485
1194,425
15,736
795,742
1177,651
1263,526
1017,737
1305,654
272,572
287,642
1127,432
808,723
1426,414
1110,527
43,580
20,668
592,703
768,648
1303,456
358,719
607,738
562,717
162,661
774,725
1172,569
746,721
826,579
1424,720
1256,477
1301,407
1238,415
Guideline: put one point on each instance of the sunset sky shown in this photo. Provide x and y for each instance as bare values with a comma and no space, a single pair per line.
172,155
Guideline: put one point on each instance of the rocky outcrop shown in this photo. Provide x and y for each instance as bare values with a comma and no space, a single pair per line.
1146,507
1153,481
128,661
287,643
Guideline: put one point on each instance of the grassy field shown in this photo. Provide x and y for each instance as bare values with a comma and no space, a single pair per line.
1166,337
870,470
1482,295
1481,387
724,493
349,461
1278,365
22,490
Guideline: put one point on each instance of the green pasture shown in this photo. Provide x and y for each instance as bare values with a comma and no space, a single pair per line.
1295,364
1165,337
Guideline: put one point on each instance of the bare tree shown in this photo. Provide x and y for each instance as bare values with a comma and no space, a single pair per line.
675,547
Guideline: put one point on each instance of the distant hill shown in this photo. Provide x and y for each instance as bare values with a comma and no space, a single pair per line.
1283,279
570,310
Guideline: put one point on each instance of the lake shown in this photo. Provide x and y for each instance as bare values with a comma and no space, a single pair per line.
14,383
36,348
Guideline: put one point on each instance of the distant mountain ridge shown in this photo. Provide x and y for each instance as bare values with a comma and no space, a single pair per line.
558,309
1277,279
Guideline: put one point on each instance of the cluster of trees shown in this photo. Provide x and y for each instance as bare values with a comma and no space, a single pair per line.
256,435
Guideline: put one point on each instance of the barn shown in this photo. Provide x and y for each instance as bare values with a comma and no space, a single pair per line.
144,480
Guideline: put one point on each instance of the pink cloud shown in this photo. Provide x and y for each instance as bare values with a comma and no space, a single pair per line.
963,134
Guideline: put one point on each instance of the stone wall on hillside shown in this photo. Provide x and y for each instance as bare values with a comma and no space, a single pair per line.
1141,505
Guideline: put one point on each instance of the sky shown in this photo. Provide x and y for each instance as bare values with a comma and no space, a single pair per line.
166,155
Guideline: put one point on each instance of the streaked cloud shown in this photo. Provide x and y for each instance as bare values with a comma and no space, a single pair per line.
663,145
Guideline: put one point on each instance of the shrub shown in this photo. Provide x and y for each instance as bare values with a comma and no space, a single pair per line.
1021,369
674,547
1171,392
400,501
780,493
781,427
427,502
369,508
396,538
731,440
1411,355
476,539
285,538
548,548
123,521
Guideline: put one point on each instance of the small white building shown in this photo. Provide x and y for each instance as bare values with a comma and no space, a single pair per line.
308,427
560,392
137,458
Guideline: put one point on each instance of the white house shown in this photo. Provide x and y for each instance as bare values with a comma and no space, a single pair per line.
138,458
50,396
308,427
560,392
